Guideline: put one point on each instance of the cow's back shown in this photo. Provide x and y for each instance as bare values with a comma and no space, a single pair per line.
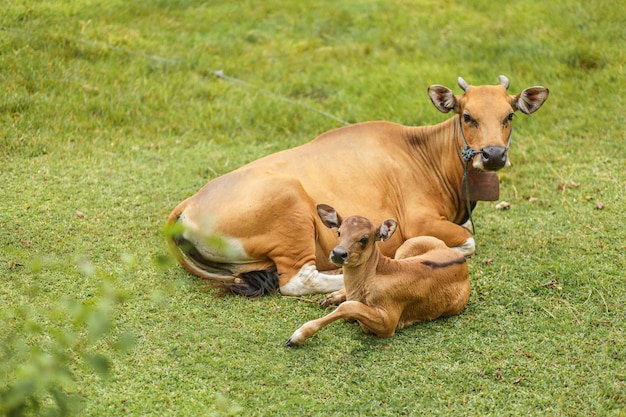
337,160
347,167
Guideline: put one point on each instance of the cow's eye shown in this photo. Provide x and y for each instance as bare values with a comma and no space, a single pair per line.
364,240
338,233
469,120
508,119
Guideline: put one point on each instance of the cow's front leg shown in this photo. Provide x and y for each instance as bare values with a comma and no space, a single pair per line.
310,281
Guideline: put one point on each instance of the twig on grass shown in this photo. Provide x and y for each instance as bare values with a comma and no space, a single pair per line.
531,298
568,304
222,75
301,299
606,307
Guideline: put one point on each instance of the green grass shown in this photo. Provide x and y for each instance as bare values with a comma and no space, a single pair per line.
113,109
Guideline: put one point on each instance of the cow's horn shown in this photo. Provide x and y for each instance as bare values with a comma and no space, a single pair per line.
504,82
463,84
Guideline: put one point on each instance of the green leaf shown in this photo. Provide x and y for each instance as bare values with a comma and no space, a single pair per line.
125,341
98,325
98,362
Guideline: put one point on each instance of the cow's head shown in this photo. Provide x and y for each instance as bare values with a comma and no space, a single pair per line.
485,117
357,236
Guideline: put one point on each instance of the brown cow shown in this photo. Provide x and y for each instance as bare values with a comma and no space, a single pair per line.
425,281
236,229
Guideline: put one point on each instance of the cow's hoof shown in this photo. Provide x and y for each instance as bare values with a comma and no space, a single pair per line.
468,248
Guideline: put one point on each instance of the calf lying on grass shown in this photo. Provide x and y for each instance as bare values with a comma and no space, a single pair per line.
425,281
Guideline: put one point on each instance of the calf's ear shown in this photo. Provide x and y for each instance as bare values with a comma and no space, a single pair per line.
529,100
386,229
443,98
329,216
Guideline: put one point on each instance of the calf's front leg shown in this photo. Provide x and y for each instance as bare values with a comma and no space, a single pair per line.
334,298
375,319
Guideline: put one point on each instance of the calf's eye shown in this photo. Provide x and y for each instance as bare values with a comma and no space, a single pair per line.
364,240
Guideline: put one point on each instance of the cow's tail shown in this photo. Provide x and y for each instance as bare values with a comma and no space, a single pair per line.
252,284
247,284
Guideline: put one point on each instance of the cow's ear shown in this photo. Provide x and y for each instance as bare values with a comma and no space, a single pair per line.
329,216
443,98
529,100
386,229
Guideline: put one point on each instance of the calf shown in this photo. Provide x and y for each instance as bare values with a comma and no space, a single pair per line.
425,281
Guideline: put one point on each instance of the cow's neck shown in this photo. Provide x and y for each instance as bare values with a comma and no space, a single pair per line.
438,148
437,142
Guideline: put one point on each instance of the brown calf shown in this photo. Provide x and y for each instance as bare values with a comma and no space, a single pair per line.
425,281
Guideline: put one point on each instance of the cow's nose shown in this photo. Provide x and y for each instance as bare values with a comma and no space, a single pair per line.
494,157
338,256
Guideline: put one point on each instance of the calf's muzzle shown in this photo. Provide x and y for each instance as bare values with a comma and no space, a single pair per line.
338,256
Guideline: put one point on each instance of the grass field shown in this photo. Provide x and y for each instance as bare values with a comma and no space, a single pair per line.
112,112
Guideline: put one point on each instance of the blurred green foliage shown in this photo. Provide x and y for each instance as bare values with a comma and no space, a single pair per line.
41,346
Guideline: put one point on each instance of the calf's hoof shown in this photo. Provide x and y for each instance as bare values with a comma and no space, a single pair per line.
296,339
334,299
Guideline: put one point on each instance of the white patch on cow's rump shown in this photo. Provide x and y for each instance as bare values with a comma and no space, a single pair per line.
213,247
310,281
468,248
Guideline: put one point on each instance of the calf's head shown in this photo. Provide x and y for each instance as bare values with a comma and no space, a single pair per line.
486,116
356,236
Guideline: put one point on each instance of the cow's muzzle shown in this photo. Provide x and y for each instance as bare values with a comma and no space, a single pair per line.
338,256
493,157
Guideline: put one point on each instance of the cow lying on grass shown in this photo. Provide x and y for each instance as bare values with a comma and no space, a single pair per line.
425,281
234,231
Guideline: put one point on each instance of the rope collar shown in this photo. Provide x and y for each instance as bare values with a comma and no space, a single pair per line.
467,152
